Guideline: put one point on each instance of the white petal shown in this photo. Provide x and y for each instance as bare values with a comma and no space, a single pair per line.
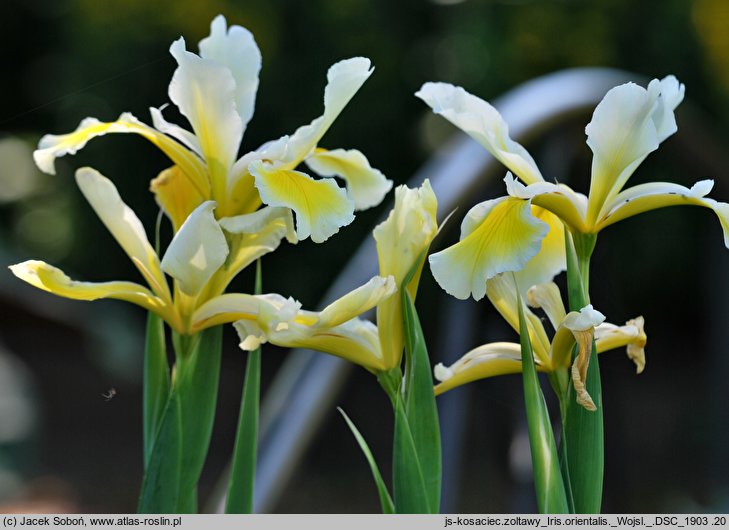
585,319
654,195
359,301
628,124
204,91
123,224
483,123
177,132
257,221
236,49
344,80
197,251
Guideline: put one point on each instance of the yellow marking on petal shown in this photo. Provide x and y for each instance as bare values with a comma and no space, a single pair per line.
489,360
204,91
321,206
355,340
497,236
366,186
654,195
54,146
358,301
175,195
501,292
53,280
224,309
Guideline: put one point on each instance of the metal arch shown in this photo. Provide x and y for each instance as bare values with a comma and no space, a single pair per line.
304,390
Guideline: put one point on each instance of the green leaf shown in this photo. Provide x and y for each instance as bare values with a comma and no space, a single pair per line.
386,503
420,406
548,483
583,430
243,468
196,382
156,381
160,487
408,484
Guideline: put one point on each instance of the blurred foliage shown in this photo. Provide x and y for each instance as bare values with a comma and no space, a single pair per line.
69,59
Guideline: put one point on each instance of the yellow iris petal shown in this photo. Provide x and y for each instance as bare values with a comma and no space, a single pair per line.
53,280
124,225
497,236
402,239
321,206
632,334
654,195
358,301
197,251
176,195
489,360
501,292
366,186
54,146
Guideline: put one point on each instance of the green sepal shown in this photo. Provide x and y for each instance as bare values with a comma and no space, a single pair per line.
161,483
408,484
548,483
156,381
583,429
420,406
386,504
243,468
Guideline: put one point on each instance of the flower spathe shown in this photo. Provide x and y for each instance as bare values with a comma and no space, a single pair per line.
576,327
627,125
198,258
215,91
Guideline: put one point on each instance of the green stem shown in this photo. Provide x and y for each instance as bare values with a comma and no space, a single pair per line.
584,245
243,469
583,437
390,381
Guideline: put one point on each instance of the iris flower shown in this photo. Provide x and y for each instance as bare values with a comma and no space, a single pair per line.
211,198
197,252
503,234
575,327
402,242
215,91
